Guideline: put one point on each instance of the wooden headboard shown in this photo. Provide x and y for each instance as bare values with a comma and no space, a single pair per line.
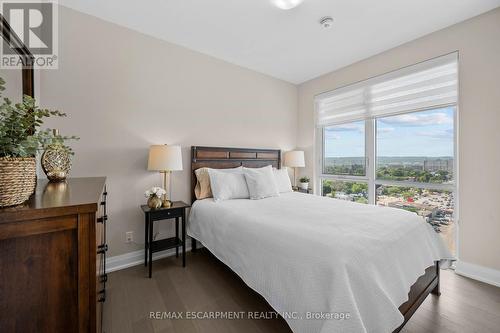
225,158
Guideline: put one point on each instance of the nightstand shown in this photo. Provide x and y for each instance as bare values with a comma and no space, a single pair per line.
176,211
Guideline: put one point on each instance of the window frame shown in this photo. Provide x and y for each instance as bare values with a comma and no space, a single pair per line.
348,178
365,177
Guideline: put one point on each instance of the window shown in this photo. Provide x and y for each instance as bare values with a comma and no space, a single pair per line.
416,147
344,149
390,141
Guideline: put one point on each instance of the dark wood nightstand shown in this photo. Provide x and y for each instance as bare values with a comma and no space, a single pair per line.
178,210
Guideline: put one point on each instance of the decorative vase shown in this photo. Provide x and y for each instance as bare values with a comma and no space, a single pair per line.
304,186
17,180
56,162
154,202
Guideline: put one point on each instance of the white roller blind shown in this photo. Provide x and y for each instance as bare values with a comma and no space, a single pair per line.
430,84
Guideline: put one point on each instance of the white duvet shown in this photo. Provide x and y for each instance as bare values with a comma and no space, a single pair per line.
349,265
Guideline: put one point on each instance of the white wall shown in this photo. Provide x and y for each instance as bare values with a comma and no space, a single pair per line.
478,43
123,91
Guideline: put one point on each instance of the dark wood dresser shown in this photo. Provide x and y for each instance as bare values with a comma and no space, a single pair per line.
53,257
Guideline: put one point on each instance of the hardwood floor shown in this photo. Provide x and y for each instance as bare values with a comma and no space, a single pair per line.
207,285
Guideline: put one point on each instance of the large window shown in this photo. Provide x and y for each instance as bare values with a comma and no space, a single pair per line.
390,141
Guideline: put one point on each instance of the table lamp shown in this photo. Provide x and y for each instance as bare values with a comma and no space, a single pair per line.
294,159
165,159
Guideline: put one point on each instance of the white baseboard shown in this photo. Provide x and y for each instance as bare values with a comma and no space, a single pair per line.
480,273
135,258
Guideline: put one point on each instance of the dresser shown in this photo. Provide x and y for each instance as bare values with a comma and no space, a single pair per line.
53,258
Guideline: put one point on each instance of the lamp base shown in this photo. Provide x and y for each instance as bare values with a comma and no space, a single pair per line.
165,202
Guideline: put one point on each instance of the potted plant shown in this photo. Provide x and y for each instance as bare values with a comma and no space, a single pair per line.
19,142
304,182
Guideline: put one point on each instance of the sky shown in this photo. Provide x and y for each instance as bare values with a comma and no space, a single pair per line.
427,133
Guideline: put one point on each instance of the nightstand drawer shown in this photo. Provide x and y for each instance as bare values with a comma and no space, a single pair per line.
166,214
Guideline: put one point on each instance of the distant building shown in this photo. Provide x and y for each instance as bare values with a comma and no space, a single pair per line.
438,165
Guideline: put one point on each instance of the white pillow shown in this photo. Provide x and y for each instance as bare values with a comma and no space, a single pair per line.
228,185
261,182
202,189
282,180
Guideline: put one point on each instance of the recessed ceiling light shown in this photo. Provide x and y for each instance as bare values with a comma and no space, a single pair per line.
326,21
286,4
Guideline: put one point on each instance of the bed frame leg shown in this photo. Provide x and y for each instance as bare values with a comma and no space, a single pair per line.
193,244
437,291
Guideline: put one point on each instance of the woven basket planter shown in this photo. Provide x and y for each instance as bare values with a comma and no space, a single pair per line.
17,179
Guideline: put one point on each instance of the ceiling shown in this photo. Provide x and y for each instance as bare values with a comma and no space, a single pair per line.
286,44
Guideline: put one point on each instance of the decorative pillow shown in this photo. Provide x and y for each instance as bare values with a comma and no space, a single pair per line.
202,189
282,180
261,182
228,185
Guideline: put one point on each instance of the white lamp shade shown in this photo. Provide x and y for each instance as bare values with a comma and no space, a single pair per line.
294,159
164,158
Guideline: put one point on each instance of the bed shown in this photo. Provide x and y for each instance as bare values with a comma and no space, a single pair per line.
325,265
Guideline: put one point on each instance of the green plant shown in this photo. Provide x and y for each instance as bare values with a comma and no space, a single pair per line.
19,122
304,179
51,138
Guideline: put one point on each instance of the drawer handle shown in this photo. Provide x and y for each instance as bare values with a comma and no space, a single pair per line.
103,203
105,193
104,278
102,219
102,248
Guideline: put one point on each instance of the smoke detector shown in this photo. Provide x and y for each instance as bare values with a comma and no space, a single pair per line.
326,21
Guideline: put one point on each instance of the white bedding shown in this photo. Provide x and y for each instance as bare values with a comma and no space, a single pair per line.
305,253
